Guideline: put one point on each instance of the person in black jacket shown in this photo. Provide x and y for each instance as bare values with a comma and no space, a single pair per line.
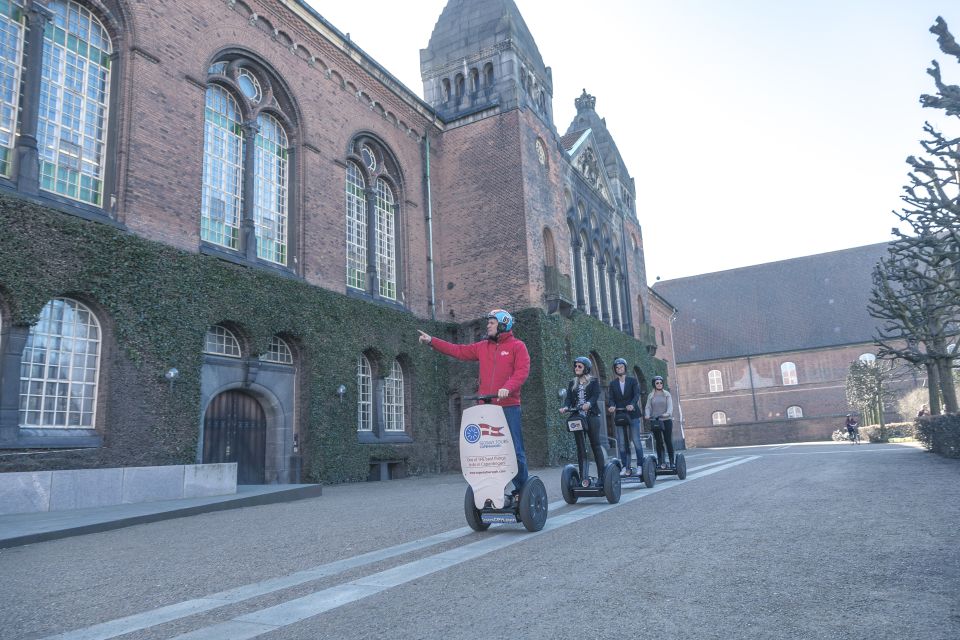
583,396
624,396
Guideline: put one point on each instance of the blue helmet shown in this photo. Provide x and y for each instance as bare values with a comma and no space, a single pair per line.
504,320
587,366
619,361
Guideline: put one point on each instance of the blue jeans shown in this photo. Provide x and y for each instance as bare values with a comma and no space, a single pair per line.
513,415
624,436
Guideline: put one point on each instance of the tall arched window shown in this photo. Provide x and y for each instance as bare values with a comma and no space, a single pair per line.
222,169
393,399
372,261
74,103
718,417
597,293
549,249
716,380
584,274
11,61
788,372
356,228
270,190
60,367
386,241
364,395
246,146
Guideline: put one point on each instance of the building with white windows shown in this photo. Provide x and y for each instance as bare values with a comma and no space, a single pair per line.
762,352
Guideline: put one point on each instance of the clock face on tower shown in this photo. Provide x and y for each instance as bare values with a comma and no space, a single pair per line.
541,153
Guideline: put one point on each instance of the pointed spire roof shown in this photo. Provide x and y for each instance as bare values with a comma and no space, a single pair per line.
473,25
587,118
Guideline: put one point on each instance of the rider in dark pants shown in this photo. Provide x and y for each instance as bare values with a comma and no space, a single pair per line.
583,394
659,412
624,396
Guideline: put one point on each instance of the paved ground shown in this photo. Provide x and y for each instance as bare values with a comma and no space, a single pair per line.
797,541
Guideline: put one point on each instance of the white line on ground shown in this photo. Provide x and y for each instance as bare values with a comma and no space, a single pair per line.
180,610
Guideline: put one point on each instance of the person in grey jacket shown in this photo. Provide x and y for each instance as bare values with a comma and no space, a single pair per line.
659,412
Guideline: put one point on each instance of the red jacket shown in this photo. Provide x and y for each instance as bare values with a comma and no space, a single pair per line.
504,364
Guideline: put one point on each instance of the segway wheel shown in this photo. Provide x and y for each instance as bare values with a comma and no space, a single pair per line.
569,480
611,482
533,504
681,463
472,513
649,472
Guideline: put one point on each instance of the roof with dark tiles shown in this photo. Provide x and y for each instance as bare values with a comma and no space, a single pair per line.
569,139
804,303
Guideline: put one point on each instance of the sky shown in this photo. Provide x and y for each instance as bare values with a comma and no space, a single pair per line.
756,130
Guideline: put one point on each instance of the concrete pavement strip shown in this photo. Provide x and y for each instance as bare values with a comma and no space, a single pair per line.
260,622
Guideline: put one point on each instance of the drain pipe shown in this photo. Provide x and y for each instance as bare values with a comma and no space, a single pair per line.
426,179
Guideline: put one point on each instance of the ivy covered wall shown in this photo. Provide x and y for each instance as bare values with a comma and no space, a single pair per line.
155,304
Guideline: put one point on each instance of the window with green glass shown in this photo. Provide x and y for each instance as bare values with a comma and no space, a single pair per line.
11,62
74,103
221,197
270,190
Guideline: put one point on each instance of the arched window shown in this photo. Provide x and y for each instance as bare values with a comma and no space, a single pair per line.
220,341
718,417
618,300
74,103
372,164
243,144
270,190
11,62
393,399
794,412
60,367
474,80
597,293
386,241
549,249
715,380
445,87
278,352
788,373
356,228
584,274
222,170
364,395
458,85
488,74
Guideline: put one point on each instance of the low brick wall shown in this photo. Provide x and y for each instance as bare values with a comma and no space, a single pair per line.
755,433
33,491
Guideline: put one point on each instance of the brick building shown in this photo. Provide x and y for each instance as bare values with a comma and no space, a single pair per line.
223,223
762,352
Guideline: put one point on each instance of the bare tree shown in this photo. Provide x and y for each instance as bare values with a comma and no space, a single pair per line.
916,289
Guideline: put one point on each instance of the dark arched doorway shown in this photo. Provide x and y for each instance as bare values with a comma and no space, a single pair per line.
235,430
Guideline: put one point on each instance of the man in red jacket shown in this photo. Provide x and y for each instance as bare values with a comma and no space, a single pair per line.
504,367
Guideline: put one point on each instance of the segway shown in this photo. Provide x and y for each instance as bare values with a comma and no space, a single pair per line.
646,469
679,466
489,462
576,481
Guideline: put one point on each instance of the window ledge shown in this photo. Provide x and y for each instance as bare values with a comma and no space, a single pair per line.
33,438
369,437
228,255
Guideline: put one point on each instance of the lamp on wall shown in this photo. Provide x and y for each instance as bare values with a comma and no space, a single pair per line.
341,391
172,374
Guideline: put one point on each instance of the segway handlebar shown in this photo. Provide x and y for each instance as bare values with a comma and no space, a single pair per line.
492,396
